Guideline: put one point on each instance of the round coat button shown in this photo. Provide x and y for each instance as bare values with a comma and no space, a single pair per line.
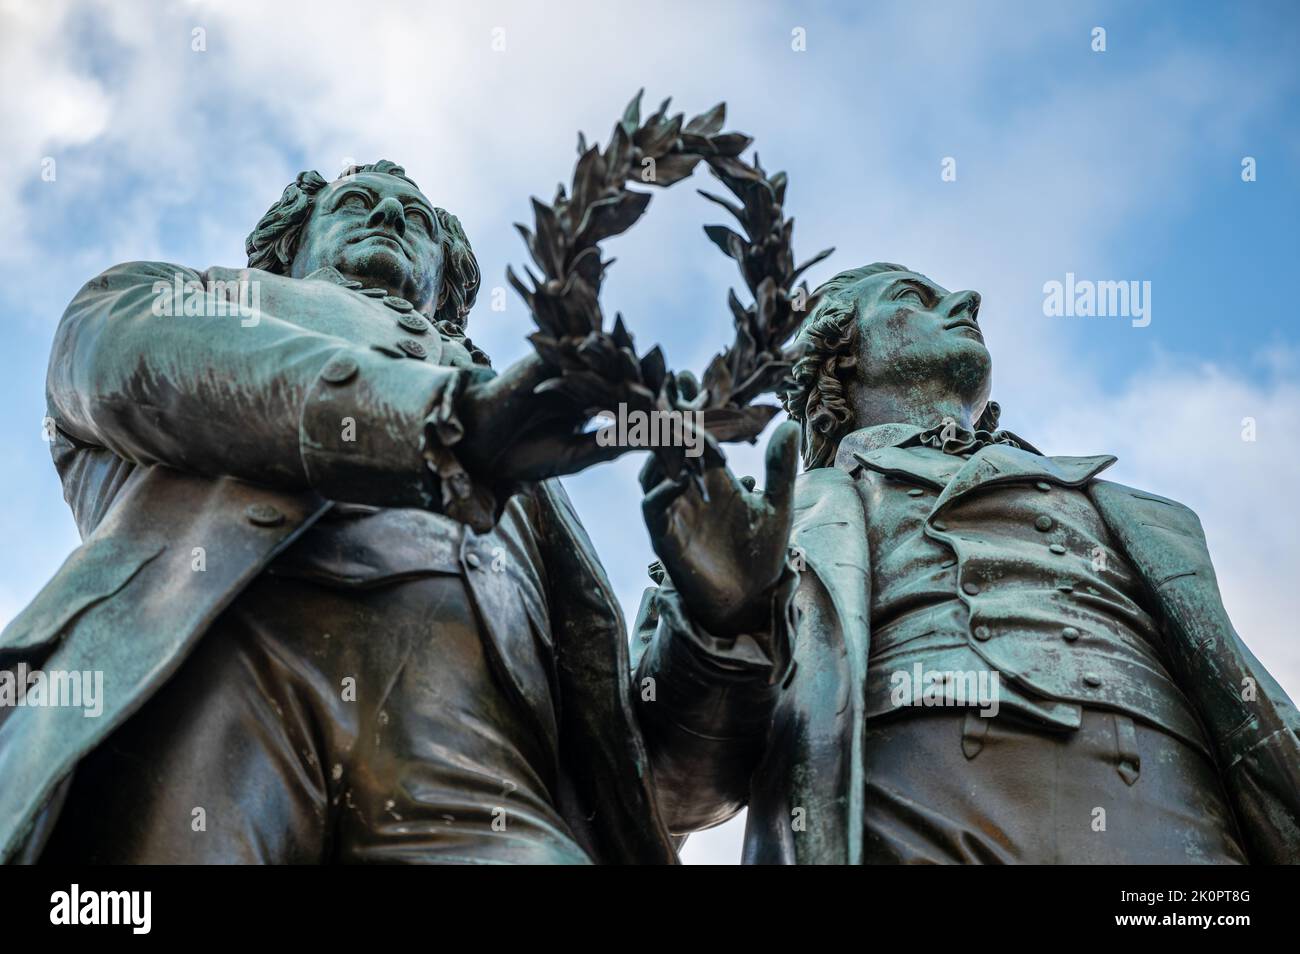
1091,679
970,589
352,284
1056,548
413,348
264,515
473,560
915,492
413,322
397,304
1069,634
339,370
375,292
1043,523
982,633
1043,485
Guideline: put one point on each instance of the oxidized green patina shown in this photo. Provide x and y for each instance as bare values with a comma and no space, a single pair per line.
341,611
345,613
937,644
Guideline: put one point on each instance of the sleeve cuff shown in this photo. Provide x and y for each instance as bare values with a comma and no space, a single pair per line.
459,495
739,656
379,430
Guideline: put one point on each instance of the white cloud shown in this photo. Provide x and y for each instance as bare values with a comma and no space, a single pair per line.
62,108
174,154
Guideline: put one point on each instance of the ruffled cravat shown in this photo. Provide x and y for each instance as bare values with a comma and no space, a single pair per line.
951,438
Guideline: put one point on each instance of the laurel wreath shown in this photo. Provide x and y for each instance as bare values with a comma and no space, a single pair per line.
565,297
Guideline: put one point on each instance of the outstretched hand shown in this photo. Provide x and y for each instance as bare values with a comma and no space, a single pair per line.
725,554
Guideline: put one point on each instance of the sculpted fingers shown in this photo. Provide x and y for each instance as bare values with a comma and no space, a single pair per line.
657,507
583,450
782,466
651,475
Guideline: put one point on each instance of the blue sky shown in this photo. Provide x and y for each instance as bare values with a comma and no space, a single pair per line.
1122,165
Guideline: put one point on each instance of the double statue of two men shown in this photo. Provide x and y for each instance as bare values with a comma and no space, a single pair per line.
345,612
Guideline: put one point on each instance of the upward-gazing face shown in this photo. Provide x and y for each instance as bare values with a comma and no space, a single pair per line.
919,338
379,230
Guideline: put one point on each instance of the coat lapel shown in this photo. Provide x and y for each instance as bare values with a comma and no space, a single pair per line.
607,793
932,470
955,476
999,464
830,654
158,600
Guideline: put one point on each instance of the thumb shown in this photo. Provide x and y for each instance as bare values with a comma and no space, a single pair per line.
655,508
782,466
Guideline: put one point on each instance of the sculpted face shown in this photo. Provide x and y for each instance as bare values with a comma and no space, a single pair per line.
917,337
379,230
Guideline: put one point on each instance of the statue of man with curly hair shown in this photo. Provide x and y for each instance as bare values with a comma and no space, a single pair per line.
341,609
938,644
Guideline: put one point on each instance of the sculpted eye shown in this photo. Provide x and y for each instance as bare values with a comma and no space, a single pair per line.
356,201
419,219
910,293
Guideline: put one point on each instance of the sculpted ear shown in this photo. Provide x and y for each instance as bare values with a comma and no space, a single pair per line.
989,417
460,277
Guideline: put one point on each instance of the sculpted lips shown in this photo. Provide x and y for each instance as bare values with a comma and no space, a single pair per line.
964,323
388,237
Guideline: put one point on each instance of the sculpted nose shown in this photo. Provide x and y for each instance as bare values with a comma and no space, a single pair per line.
388,214
964,303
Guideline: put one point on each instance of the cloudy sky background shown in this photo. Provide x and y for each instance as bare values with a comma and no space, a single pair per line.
1122,165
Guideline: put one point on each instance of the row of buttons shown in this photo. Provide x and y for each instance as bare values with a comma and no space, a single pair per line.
1043,524
407,319
406,347
1069,634
341,369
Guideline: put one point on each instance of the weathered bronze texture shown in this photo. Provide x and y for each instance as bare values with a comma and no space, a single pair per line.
345,612
342,611
1134,726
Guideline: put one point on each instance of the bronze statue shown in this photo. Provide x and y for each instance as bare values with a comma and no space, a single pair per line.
345,612
814,643
342,613
342,610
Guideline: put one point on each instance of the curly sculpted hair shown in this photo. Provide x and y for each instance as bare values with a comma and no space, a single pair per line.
272,245
829,337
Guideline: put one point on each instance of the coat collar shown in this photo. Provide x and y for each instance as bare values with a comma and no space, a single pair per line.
879,448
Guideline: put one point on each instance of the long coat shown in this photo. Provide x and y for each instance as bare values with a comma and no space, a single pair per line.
129,397
798,742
